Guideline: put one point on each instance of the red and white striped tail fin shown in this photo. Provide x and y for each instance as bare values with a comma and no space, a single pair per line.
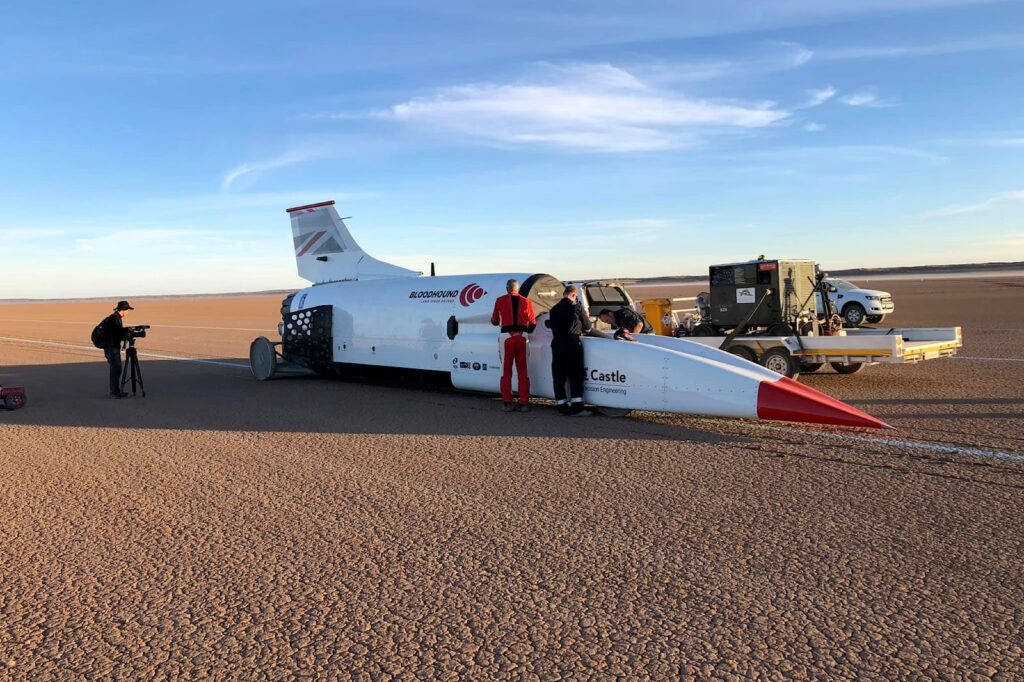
326,252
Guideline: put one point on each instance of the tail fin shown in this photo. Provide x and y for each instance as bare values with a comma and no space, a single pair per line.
326,252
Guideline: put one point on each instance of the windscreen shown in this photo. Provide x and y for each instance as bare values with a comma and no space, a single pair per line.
610,297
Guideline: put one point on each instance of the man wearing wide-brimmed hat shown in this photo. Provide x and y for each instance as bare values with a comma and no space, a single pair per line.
113,335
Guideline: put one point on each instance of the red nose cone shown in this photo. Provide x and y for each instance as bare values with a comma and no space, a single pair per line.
787,400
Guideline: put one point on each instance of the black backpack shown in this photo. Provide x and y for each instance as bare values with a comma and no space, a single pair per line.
99,335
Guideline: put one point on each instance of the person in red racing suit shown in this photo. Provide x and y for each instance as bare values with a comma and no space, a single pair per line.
514,314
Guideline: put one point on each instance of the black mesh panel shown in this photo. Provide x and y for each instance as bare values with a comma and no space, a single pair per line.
307,335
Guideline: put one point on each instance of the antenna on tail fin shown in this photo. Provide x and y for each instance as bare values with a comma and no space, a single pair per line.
326,252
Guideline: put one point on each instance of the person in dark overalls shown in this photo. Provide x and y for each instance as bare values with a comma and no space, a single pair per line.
568,322
626,322
113,335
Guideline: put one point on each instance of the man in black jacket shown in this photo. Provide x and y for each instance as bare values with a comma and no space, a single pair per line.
113,335
626,322
568,322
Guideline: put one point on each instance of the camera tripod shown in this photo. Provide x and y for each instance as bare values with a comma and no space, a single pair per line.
131,369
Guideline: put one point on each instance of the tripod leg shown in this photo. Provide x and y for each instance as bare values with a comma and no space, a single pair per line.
137,373
124,372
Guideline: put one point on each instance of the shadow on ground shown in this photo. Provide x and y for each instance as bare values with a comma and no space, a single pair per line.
207,397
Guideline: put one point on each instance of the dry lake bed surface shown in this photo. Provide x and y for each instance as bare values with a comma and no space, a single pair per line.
312,528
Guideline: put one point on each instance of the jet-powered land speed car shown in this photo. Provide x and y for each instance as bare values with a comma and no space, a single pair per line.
363,313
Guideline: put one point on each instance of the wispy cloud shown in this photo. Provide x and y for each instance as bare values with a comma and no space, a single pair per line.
1004,42
813,127
864,98
994,202
28,234
162,240
1011,140
818,97
289,158
871,152
588,107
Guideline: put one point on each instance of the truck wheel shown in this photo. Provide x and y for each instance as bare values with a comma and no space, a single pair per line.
780,361
853,314
875,319
703,330
780,329
847,367
743,352
809,367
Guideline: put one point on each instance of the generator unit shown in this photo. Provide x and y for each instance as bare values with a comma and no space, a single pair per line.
770,296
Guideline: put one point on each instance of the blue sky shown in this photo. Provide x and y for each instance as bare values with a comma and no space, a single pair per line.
152,148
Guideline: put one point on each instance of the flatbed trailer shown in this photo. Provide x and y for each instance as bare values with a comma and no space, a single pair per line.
847,352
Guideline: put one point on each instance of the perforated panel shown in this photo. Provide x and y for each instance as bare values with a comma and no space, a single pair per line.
307,334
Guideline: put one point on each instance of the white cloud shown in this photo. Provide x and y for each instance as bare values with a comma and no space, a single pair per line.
592,107
28,234
1000,200
814,127
863,98
1005,42
818,97
288,158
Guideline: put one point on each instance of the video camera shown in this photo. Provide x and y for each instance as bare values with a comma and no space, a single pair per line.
136,332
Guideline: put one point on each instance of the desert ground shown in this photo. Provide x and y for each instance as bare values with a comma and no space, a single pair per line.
225,528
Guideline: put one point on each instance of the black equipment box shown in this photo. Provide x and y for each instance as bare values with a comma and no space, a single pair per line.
786,286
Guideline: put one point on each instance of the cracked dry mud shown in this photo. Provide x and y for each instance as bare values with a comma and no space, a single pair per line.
227,529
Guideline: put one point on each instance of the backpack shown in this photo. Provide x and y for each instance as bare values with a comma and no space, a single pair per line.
99,336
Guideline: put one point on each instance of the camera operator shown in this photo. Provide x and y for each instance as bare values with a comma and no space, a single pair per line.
113,335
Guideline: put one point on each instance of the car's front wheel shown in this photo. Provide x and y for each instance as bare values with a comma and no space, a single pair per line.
853,315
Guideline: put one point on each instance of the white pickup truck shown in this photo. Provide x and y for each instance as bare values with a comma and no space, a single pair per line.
857,305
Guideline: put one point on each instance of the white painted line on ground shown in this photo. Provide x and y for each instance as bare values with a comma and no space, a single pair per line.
935,447
220,363
910,444
967,357
169,326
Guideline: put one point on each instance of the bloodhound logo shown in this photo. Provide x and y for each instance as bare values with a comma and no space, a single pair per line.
470,294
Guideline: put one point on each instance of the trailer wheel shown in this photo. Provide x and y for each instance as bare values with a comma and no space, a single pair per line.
781,361
743,352
847,367
875,319
780,329
809,367
853,314
703,330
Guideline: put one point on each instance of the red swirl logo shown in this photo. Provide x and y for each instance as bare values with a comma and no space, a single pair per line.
470,294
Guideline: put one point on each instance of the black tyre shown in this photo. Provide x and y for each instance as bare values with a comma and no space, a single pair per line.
854,315
14,401
743,352
847,367
781,361
703,330
875,319
780,329
809,367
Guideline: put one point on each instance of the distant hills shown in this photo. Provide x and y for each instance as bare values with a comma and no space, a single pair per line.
951,269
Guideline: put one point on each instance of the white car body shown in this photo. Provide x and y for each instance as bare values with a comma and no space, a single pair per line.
362,313
856,305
